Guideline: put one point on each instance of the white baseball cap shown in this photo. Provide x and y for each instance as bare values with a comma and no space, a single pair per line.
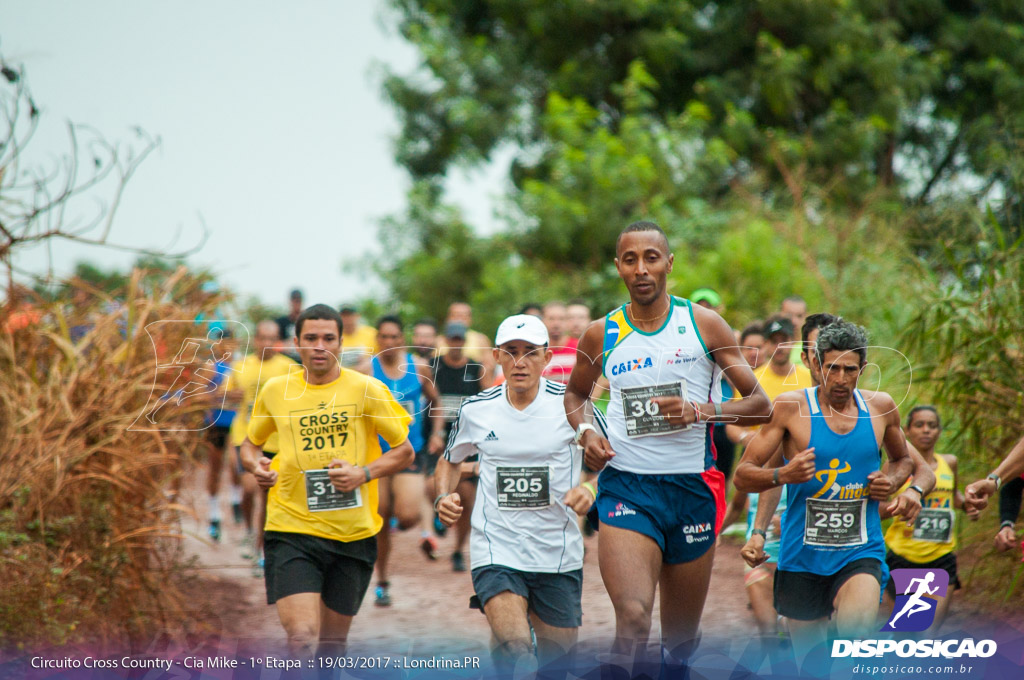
522,327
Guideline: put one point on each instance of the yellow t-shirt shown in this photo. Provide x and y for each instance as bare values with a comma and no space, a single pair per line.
249,375
774,385
937,518
360,343
477,345
316,424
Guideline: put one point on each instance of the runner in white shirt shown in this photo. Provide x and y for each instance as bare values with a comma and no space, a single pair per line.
526,549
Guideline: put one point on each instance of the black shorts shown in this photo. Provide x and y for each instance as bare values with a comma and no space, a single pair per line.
423,463
555,598
339,571
217,435
947,562
805,596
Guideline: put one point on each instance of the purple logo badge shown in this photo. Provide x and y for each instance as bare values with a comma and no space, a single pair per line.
917,595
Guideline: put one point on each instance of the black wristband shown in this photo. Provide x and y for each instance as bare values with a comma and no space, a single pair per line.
1006,523
759,532
919,490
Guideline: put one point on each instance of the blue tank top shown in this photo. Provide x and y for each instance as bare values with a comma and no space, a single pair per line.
408,392
830,521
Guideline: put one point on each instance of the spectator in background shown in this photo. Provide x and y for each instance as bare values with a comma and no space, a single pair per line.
424,339
779,374
794,308
478,345
358,341
577,316
563,345
532,308
752,344
286,323
708,298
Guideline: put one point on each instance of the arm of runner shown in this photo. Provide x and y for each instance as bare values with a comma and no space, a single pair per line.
767,502
1010,497
435,444
754,407
977,493
737,506
255,462
596,449
448,504
751,474
958,496
581,497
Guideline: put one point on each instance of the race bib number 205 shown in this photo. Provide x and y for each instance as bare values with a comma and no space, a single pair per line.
523,488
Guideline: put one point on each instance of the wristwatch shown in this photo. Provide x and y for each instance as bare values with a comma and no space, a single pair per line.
439,498
919,490
995,478
759,532
581,430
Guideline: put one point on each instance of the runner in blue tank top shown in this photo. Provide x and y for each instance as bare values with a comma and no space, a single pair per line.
832,552
660,499
401,495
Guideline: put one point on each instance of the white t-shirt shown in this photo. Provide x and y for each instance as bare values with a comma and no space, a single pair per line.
528,462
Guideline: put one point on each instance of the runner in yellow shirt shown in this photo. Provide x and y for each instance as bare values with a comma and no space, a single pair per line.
246,378
930,542
322,514
779,374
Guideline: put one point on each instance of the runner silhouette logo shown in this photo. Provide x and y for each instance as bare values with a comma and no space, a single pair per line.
917,595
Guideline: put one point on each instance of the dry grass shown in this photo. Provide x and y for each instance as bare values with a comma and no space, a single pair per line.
89,546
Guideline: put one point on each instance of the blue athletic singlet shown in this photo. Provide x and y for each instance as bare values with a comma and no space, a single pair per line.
830,521
408,392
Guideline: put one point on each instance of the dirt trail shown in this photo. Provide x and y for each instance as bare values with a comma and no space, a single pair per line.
430,611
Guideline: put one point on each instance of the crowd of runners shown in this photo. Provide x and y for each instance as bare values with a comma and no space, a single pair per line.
628,425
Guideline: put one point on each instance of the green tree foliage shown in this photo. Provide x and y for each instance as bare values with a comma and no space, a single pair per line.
916,94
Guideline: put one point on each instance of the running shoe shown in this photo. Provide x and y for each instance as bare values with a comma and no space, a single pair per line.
439,528
257,568
458,562
236,512
382,596
215,530
428,544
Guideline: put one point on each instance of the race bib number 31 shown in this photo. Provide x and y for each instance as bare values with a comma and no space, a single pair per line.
523,488
834,524
642,414
934,525
322,496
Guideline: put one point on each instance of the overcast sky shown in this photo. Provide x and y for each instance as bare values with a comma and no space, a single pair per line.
272,123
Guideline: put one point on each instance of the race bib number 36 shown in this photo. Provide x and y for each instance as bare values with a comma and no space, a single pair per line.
934,525
523,488
642,414
834,524
321,494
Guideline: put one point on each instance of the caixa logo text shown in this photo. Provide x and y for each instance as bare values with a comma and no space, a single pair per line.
948,649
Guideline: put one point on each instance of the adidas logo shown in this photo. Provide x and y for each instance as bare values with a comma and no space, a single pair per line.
491,437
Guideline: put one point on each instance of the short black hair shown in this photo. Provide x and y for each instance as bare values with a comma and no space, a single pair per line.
924,407
390,318
794,298
319,312
530,305
426,321
842,336
642,225
754,328
816,321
